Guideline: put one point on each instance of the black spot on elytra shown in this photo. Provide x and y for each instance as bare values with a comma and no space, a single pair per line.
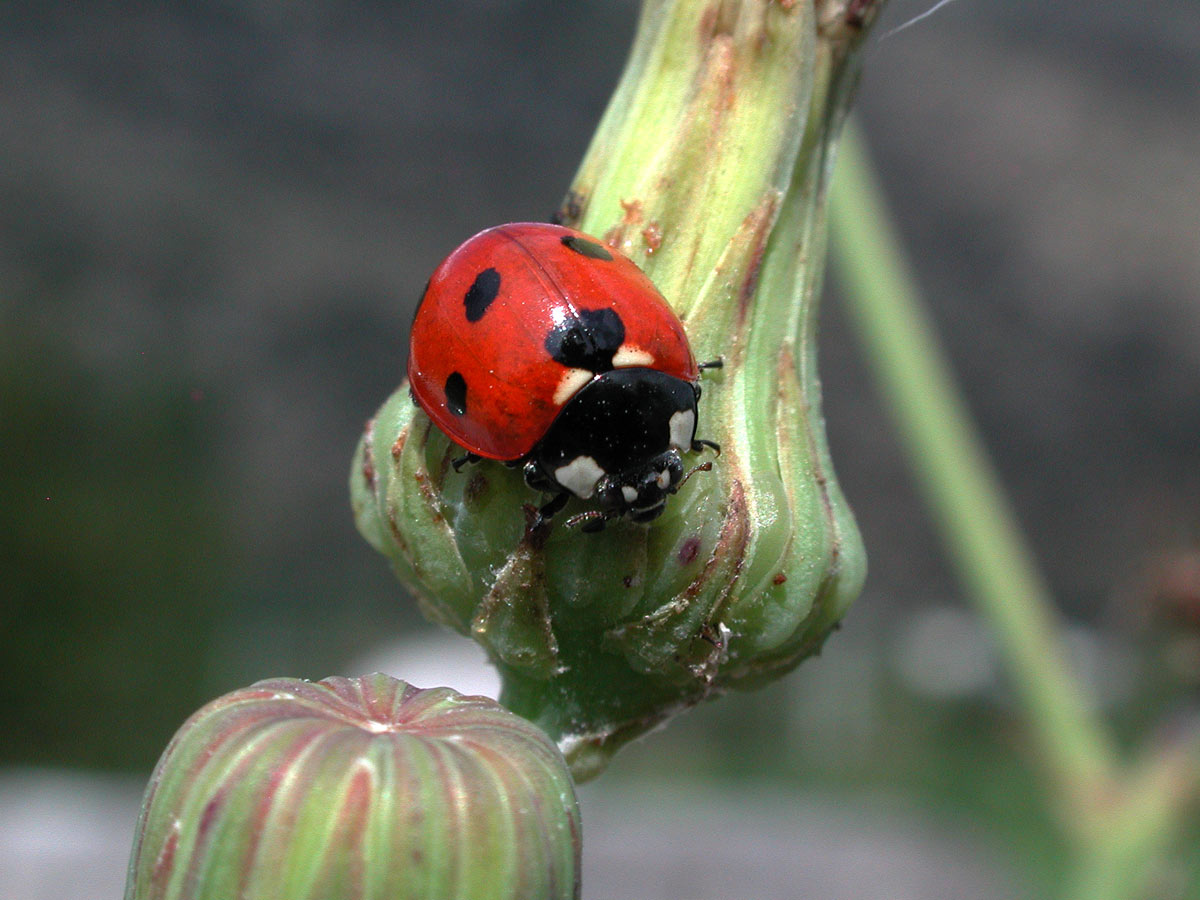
480,295
586,247
456,394
589,341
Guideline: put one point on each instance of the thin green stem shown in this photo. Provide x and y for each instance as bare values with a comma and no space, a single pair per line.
1124,856
958,482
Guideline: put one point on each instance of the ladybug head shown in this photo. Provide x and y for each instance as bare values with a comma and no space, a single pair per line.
641,493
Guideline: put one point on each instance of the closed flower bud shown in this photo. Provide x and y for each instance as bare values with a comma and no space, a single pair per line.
709,170
357,787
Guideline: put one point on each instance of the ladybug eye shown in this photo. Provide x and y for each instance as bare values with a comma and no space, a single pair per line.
611,495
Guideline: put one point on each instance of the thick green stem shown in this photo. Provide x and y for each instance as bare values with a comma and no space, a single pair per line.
708,170
952,470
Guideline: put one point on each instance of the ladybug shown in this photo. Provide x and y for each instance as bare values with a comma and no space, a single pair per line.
539,346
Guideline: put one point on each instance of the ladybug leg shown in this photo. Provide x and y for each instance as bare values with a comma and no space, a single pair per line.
463,460
718,363
699,444
549,509
539,480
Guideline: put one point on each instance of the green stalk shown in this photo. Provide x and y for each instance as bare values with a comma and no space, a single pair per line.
1123,820
958,482
1137,831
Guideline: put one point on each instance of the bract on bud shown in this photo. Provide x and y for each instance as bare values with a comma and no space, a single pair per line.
709,170
357,787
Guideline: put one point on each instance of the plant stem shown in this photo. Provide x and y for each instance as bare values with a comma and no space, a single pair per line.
1132,837
959,484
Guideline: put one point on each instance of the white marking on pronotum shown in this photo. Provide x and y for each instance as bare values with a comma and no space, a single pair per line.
579,476
683,426
628,356
629,493
570,383
664,479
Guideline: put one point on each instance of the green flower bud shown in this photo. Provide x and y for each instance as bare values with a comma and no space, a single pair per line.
357,787
709,169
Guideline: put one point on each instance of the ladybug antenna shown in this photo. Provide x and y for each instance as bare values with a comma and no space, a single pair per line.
592,521
702,467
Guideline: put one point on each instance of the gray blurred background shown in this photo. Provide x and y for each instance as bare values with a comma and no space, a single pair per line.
214,222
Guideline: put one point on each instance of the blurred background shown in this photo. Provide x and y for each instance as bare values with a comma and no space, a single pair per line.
215,220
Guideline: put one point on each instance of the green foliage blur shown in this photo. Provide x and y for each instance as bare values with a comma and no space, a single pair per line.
112,558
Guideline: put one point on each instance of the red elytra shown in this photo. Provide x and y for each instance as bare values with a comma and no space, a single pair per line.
498,347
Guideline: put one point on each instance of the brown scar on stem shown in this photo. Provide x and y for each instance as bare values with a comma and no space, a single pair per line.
476,488
652,235
760,222
787,368
729,550
368,459
398,444
571,210
429,495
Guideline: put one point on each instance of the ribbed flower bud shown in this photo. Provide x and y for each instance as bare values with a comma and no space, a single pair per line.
709,170
363,788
